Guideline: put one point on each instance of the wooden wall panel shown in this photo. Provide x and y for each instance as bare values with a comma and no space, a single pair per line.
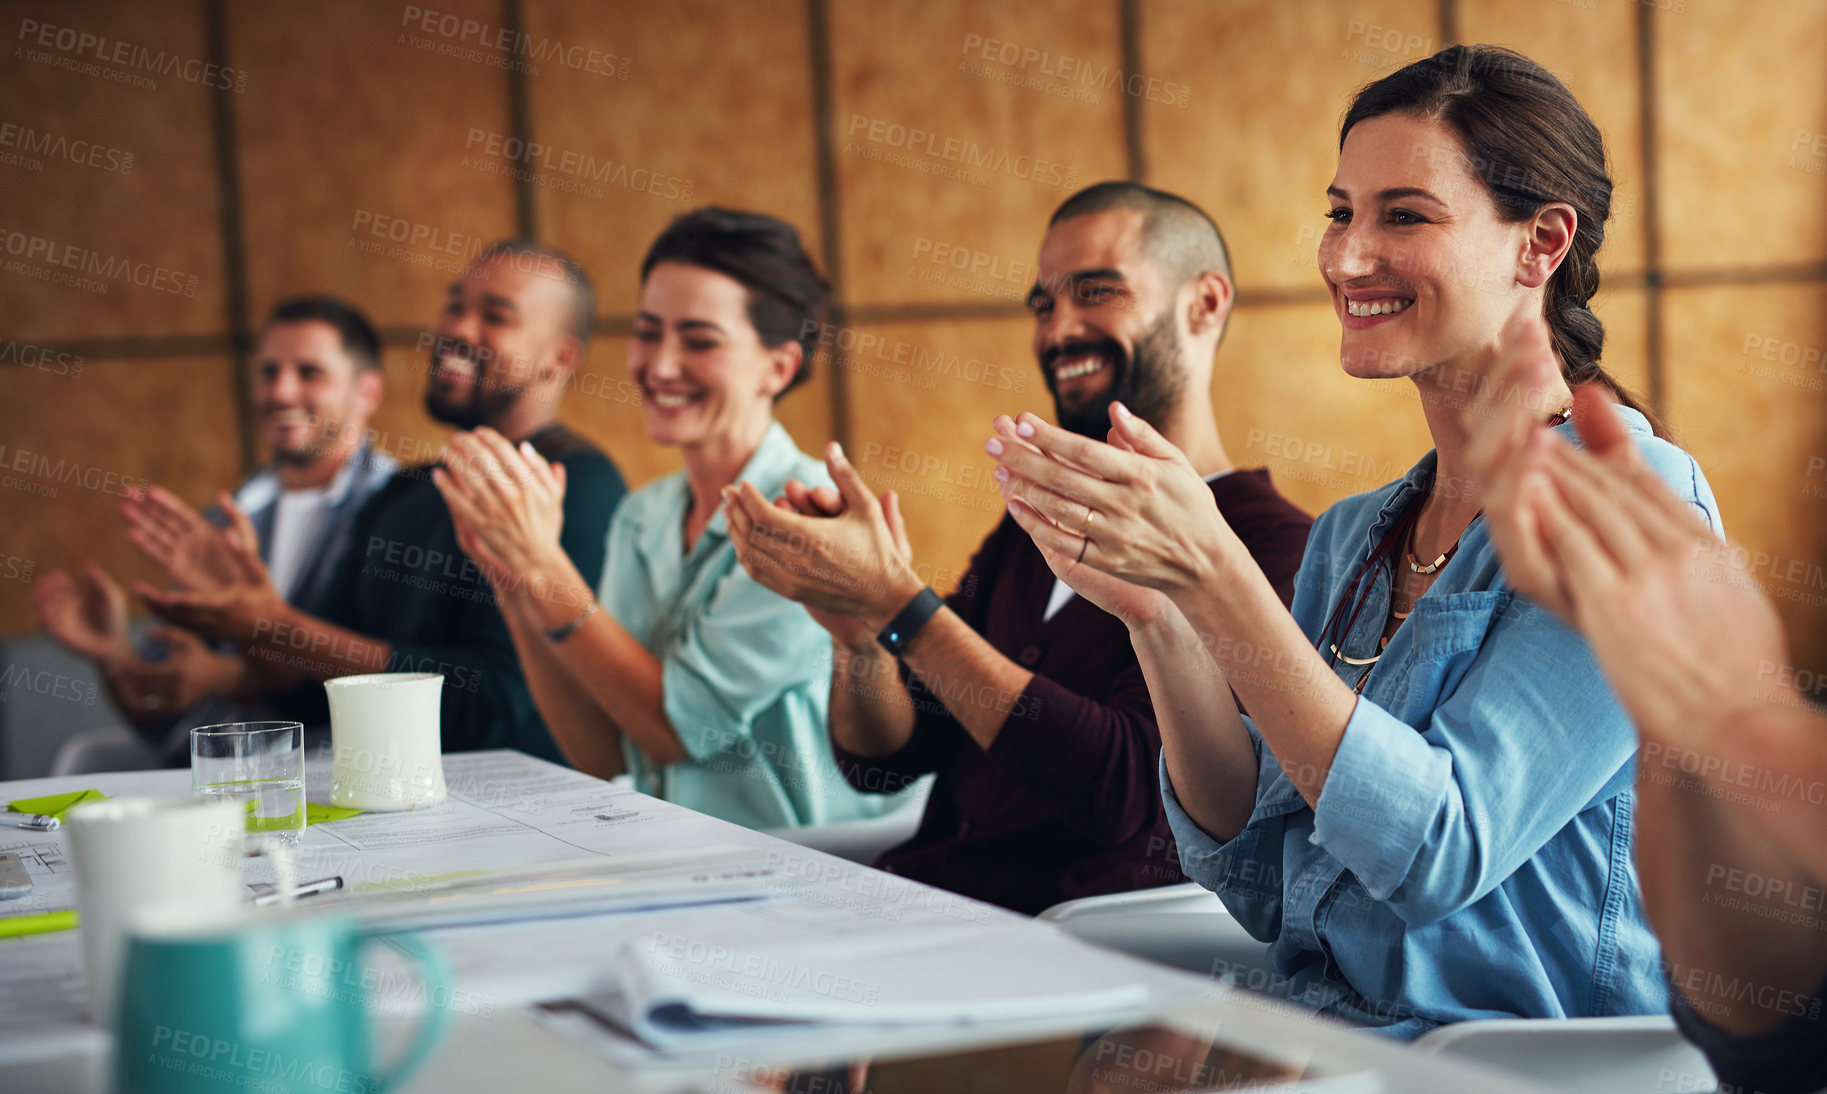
347,109
1741,124
110,222
930,391
63,474
1625,313
1283,402
948,163
1748,394
1593,49
643,132
360,170
806,411
1259,160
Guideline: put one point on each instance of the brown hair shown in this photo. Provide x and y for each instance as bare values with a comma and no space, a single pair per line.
1530,142
788,299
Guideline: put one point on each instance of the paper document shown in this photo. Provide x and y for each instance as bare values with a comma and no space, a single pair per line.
559,892
681,990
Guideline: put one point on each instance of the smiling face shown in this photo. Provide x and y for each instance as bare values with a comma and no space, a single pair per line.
1420,268
310,396
704,374
504,327
1104,326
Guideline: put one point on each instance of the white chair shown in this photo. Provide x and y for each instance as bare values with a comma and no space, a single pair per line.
115,748
864,840
47,696
1185,926
1582,1055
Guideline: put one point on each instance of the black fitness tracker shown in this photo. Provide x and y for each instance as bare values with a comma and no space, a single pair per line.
907,623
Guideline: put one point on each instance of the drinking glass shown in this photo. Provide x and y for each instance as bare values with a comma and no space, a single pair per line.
260,764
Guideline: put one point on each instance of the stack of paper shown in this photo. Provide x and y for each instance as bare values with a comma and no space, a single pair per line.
718,875
679,990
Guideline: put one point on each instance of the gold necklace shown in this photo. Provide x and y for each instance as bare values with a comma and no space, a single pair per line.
1415,566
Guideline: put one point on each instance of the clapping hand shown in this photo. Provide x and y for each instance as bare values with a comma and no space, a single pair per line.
89,617
508,506
842,553
1684,633
222,588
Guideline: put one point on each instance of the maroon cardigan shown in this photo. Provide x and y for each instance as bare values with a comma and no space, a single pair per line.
1065,802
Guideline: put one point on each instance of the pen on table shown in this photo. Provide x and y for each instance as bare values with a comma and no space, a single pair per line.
16,926
308,888
42,822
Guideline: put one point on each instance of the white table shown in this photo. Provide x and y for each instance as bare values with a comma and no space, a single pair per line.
506,807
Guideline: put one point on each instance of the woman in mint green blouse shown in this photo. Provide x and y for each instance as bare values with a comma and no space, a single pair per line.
709,689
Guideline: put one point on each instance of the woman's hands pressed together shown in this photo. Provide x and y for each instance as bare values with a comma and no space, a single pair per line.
1133,508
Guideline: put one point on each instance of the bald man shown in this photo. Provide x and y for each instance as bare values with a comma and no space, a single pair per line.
1025,700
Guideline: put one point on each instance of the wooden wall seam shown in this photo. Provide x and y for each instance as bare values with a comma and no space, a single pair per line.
1135,147
830,213
234,243
236,337
1653,275
520,124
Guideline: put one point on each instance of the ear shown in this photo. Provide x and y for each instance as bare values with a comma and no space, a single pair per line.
564,362
369,387
1550,237
783,365
1211,303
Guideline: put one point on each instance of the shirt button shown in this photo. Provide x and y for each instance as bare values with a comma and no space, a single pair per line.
964,828
1029,656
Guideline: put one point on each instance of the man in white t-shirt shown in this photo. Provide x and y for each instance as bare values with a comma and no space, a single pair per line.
316,380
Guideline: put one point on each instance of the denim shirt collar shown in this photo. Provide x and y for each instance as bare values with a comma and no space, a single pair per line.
1400,494
1405,489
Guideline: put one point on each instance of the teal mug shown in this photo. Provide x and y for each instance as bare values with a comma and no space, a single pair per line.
273,1003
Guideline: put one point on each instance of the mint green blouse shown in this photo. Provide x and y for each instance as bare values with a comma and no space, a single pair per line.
746,677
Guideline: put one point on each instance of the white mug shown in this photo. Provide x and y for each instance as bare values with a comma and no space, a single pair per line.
135,857
386,747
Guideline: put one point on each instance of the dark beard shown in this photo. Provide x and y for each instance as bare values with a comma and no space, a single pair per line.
488,399
1149,382
485,406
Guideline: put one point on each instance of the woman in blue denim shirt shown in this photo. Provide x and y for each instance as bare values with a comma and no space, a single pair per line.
1427,811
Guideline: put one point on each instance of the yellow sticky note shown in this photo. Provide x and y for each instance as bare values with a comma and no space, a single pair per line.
55,805
324,814
15,926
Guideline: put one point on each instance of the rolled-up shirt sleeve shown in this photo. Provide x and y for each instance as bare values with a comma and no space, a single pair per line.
1432,818
1245,871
